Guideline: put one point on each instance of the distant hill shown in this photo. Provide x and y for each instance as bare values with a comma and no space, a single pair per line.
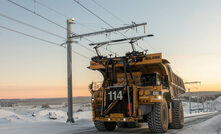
203,95
49,101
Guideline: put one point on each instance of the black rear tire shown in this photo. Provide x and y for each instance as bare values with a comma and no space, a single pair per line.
177,115
105,126
158,118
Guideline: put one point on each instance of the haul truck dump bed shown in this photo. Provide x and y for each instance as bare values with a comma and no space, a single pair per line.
137,87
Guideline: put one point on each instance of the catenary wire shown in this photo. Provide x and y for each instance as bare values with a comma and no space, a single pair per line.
34,37
59,13
97,16
51,9
110,14
36,14
29,35
45,19
50,20
29,25
78,23
108,11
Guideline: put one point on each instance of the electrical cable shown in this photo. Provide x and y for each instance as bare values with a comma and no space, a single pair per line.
81,55
97,16
29,25
34,37
37,14
54,22
108,11
51,9
59,13
44,18
85,47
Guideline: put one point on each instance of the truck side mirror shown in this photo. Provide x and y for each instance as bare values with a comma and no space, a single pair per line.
91,86
166,80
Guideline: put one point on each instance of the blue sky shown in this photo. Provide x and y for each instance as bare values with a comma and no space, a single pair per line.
187,32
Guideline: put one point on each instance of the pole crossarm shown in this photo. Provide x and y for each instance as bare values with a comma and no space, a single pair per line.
107,31
99,44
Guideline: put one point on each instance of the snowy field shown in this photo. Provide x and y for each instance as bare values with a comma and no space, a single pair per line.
35,119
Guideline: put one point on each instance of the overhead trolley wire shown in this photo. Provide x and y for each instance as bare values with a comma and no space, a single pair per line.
97,16
38,38
113,16
51,9
34,37
48,19
45,19
101,18
61,14
86,47
29,25
81,55
93,13
37,14
108,11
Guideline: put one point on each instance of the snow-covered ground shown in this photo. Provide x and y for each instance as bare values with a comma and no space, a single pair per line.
38,114
35,119
210,126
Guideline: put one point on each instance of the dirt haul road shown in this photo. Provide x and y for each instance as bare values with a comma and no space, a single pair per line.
203,124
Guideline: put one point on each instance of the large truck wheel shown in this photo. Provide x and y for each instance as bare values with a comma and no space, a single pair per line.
105,126
158,118
177,115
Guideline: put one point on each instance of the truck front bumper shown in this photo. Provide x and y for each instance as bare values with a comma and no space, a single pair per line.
114,119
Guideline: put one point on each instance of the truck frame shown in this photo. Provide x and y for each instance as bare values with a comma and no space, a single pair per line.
136,88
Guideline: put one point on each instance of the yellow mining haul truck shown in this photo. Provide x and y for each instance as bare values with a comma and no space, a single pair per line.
136,88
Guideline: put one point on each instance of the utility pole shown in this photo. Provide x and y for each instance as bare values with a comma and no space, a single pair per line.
69,70
189,101
71,36
202,99
192,82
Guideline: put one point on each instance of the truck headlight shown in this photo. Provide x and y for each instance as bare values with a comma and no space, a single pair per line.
155,92
141,92
146,92
159,97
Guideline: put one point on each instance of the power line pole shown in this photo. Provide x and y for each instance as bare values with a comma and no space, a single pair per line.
190,96
189,101
69,70
70,36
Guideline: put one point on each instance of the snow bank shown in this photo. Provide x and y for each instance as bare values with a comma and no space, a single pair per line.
44,115
210,126
7,116
218,103
197,114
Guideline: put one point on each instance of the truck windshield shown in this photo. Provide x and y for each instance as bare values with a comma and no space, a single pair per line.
150,79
